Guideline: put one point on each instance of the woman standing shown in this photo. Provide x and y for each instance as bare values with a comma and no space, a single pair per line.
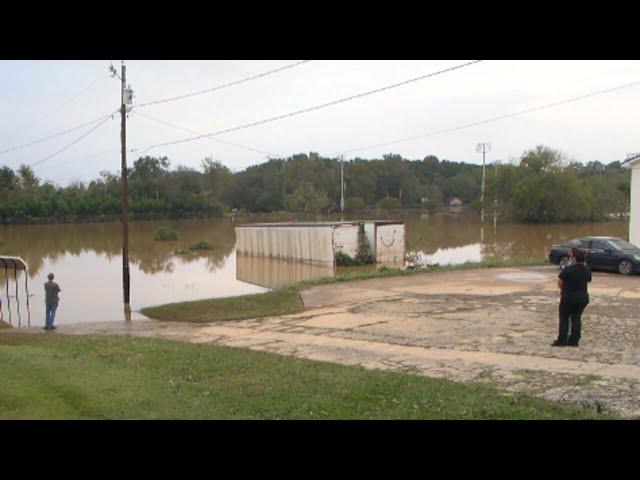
574,297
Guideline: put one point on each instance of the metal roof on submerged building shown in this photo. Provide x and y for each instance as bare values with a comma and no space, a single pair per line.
12,263
320,224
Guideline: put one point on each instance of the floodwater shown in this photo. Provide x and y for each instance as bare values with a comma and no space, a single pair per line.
87,259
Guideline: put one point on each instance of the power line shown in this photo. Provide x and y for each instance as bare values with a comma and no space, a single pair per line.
64,132
220,87
84,157
84,168
210,138
61,106
493,119
70,144
317,107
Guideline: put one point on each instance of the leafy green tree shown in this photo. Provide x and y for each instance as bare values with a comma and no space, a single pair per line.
217,175
306,198
541,159
8,179
389,203
147,174
27,178
353,204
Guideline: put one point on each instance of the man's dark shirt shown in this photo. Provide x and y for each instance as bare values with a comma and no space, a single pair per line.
575,279
51,290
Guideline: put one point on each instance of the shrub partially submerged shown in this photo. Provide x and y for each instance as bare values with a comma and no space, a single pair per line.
201,246
166,234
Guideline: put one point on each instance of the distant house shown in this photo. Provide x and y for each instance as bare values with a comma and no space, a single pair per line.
455,202
633,162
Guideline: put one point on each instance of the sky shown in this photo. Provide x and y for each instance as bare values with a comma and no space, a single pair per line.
42,98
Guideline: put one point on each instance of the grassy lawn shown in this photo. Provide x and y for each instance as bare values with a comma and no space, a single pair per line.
274,302
123,377
287,299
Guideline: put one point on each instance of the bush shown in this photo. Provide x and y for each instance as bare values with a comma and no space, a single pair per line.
431,206
345,260
197,247
353,204
165,234
202,245
389,203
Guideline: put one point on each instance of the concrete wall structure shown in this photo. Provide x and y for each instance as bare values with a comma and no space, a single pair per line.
319,242
634,220
390,244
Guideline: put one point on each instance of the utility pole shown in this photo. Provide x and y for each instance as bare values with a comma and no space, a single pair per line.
341,183
126,97
495,196
484,148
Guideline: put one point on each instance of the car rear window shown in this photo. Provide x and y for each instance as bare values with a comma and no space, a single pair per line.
622,245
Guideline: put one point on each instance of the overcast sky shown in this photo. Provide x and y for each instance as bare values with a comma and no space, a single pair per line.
604,127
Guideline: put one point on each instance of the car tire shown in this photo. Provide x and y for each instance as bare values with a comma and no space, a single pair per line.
564,261
625,267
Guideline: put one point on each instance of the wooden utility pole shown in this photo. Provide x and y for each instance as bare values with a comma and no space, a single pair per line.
125,191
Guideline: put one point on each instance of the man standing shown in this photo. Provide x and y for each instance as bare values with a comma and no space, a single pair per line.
51,290
572,282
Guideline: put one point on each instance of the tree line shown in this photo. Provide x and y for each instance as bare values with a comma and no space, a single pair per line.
541,186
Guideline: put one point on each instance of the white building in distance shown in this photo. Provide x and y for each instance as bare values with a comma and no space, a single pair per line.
633,162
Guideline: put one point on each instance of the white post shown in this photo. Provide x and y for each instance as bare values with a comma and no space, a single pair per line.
342,184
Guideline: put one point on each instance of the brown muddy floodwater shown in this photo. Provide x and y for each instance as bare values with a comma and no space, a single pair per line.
87,259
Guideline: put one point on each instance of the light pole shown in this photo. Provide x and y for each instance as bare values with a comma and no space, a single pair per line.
483,148
495,195
342,184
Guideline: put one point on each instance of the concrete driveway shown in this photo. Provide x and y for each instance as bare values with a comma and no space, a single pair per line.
488,325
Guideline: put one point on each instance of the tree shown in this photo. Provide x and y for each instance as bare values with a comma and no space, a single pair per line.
8,179
218,176
147,172
353,204
107,179
540,159
306,198
28,179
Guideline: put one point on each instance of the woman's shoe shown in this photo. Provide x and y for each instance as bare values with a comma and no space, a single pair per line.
558,344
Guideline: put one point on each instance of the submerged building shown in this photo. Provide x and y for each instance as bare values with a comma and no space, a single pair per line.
319,242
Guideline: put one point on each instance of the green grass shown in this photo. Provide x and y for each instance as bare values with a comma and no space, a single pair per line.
286,300
123,377
274,302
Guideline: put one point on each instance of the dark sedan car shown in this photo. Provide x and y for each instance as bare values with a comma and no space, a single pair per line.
603,253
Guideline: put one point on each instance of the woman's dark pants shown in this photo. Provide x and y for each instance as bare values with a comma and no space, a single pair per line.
570,319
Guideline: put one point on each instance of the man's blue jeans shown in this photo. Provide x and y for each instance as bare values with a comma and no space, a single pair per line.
50,313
